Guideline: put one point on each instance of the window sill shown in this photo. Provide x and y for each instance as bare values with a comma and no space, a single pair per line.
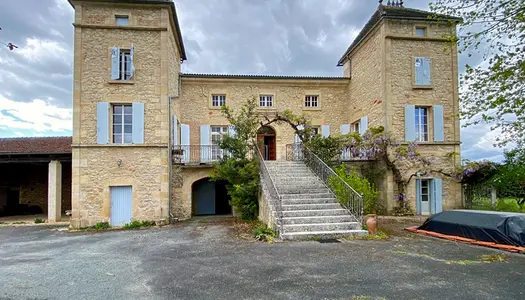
432,143
215,107
422,87
311,108
121,81
263,108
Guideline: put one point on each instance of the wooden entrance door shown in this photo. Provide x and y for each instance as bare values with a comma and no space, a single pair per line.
267,143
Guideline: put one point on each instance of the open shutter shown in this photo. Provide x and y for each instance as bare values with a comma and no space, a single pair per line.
410,123
205,143
345,154
185,142
439,130
297,138
132,63
418,196
437,196
325,130
175,131
102,123
363,125
345,129
115,63
231,130
423,71
138,123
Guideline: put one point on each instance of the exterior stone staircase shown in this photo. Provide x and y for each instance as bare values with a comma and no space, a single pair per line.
309,209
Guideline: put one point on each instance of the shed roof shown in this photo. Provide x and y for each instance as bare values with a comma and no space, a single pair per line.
36,145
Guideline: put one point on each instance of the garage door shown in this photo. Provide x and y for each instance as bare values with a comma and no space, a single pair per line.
120,205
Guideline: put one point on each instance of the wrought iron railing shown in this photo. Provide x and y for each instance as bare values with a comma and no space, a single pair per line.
295,152
198,154
347,196
270,189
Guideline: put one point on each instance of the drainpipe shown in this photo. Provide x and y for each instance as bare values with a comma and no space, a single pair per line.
170,163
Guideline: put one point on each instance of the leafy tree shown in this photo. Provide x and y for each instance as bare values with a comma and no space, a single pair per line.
509,180
494,90
327,149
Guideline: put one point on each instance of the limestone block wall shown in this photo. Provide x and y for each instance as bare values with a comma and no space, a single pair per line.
182,184
195,110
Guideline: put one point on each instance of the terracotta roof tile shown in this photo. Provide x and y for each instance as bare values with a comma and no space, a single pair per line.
35,145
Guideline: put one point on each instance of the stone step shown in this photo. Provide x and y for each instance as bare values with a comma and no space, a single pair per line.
301,185
302,190
322,235
333,205
309,201
307,196
318,219
278,175
298,179
315,212
284,163
288,169
321,227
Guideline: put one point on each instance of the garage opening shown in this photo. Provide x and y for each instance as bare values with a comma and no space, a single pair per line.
210,198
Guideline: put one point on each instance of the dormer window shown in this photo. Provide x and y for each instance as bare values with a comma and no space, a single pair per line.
121,20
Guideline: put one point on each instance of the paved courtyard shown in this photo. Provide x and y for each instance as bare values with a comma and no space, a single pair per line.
201,260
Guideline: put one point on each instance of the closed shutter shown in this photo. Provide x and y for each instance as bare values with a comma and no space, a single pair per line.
363,125
115,63
345,129
175,131
297,138
439,130
437,196
102,123
325,130
138,123
205,143
410,123
418,196
185,142
423,71
131,54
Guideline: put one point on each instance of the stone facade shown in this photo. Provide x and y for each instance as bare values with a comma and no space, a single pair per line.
377,83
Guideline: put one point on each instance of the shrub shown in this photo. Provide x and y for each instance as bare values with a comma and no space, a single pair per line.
138,224
359,183
508,205
264,233
327,149
38,221
102,226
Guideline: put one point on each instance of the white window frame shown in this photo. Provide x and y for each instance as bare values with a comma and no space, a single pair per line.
422,123
419,30
125,62
122,20
355,127
311,101
266,100
217,132
125,137
218,100
425,185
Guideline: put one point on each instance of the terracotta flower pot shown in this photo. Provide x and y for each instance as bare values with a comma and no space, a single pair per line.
371,224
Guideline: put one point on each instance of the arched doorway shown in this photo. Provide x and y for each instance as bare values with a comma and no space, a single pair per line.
266,142
210,198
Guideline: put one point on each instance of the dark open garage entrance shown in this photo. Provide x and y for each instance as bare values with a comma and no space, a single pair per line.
210,198
35,177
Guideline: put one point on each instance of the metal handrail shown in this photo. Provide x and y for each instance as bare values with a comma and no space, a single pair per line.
268,182
350,198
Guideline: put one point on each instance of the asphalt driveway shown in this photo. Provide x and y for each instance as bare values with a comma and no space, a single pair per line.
202,261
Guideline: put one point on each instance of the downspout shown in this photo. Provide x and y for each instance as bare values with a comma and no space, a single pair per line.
170,147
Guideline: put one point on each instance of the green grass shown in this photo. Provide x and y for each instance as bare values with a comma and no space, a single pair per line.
507,204
138,224
39,221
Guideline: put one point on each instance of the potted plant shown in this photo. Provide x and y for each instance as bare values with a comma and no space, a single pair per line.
178,154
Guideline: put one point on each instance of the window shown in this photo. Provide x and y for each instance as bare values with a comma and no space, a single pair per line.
311,101
218,100
422,72
121,20
125,65
122,124
315,131
217,133
421,124
421,31
425,187
266,100
355,126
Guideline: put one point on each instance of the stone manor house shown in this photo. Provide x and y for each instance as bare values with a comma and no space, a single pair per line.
145,134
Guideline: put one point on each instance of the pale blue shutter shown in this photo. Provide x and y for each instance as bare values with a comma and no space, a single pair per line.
345,129
297,138
131,53
205,143
138,123
325,130
102,122
231,130
185,142
423,71
439,130
410,122
363,125
175,131
115,63
418,196
437,196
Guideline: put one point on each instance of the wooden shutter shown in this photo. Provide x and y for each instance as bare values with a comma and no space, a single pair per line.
185,142
325,130
175,131
345,129
410,123
418,196
437,196
138,123
231,130
205,143
439,130
115,63
363,125
131,54
102,122
422,71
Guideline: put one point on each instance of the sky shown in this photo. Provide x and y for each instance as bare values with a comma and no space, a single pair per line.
279,37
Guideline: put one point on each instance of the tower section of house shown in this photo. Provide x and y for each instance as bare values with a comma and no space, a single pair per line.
404,77
127,62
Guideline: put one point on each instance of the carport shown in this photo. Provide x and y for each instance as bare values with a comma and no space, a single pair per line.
35,176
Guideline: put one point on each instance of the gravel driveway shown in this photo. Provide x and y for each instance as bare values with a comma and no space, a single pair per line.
197,260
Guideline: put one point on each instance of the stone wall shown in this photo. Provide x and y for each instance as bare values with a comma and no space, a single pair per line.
182,185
